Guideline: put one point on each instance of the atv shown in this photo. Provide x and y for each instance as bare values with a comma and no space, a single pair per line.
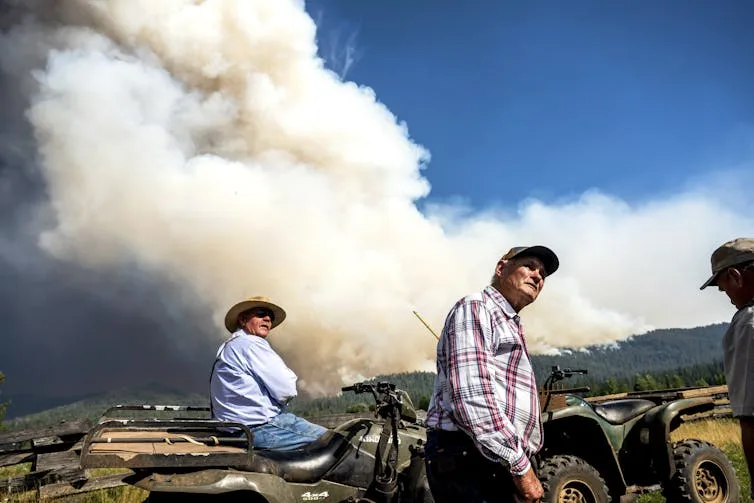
364,460
619,449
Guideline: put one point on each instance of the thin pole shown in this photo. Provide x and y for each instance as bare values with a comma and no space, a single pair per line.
426,325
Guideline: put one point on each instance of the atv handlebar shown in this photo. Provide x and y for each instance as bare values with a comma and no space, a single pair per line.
369,387
390,401
558,374
568,372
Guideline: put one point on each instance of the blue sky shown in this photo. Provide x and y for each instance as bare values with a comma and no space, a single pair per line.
631,98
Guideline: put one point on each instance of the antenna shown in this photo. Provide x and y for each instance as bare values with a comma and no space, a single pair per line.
426,325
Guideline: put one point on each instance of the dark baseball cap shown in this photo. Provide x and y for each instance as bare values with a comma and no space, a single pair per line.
546,255
735,252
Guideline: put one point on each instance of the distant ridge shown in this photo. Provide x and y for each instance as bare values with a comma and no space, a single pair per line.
656,351
93,406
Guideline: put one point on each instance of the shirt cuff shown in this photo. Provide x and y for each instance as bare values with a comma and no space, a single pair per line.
520,465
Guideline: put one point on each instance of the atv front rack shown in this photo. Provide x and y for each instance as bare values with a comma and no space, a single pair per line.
166,443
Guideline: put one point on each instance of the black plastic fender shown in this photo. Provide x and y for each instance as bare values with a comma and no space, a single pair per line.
665,419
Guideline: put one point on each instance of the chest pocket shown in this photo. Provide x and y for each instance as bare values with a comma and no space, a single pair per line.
504,339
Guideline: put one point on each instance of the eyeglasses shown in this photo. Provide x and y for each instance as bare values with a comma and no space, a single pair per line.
261,312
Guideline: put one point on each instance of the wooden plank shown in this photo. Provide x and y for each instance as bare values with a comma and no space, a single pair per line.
14,459
48,468
45,442
56,461
668,394
77,427
712,390
605,398
92,484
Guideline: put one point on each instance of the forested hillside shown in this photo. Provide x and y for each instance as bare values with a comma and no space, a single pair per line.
655,351
659,359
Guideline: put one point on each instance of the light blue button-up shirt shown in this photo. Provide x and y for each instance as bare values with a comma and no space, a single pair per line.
250,383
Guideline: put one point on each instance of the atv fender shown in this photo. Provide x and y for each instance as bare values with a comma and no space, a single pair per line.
577,431
662,420
216,481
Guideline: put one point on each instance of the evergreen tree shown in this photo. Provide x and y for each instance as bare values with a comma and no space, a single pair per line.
3,405
359,407
676,381
611,387
641,383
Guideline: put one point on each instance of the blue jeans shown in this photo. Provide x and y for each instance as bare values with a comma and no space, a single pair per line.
286,432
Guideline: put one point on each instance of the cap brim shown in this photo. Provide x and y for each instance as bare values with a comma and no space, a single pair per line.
543,253
708,282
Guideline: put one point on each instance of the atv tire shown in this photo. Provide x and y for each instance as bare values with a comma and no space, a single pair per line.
702,474
570,479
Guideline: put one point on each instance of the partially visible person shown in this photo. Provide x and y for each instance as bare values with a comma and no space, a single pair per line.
484,416
251,384
733,273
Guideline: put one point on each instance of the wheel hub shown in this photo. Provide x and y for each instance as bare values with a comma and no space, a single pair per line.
576,492
709,482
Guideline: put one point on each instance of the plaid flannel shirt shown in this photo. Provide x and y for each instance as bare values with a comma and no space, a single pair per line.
485,383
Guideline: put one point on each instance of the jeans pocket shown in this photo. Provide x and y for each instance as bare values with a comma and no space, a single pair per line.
266,436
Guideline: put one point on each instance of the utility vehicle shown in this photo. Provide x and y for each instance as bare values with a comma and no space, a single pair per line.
184,459
616,450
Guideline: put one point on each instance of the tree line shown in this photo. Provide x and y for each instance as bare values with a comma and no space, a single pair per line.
419,387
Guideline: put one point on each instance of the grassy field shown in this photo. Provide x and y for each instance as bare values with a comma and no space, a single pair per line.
724,433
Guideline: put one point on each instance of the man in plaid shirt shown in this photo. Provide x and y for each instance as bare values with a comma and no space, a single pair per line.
484,417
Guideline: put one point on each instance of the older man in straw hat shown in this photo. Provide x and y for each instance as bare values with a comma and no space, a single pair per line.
251,384
733,273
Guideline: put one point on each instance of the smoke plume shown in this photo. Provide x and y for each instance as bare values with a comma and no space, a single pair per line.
177,156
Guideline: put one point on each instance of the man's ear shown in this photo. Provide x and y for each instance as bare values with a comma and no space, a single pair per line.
736,274
500,266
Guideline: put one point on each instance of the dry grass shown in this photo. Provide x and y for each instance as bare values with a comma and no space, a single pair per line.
721,432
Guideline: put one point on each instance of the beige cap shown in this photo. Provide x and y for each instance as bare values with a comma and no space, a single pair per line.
732,253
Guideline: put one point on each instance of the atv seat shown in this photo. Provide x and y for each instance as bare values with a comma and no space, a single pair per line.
620,411
308,464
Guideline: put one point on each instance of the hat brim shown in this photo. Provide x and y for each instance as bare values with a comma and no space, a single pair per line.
712,279
231,318
543,253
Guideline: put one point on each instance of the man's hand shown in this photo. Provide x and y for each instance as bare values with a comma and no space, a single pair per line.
528,486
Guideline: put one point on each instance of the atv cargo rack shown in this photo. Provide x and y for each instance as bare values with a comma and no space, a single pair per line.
120,440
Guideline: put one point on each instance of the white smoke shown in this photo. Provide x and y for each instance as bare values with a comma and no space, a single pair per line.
207,142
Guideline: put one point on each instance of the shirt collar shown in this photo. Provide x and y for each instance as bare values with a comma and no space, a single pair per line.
502,302
237,333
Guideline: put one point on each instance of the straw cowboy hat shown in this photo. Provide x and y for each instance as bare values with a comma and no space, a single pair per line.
231,319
